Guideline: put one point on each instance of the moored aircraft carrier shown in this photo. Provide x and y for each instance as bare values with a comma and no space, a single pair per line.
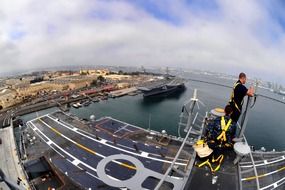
164,86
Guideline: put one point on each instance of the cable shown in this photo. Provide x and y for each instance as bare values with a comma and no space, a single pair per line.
222,85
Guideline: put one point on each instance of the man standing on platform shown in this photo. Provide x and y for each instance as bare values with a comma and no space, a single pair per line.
238,94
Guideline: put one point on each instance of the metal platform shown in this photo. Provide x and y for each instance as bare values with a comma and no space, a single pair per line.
258,170
270,168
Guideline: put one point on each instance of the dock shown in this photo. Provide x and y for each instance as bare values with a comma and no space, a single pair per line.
122,92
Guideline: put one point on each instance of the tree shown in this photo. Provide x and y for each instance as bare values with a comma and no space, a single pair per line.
94,83
101,79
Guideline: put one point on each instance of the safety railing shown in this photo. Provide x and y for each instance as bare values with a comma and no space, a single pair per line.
189,125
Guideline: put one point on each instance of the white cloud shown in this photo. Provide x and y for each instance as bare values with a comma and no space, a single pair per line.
61,32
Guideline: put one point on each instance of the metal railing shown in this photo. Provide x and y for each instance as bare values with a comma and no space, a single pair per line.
189,125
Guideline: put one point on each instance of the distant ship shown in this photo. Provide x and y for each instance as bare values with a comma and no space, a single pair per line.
163,86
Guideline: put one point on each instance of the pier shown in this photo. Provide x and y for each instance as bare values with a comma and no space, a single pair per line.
122,92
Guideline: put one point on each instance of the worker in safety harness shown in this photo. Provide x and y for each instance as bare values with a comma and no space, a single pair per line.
221,132
218,138
238,93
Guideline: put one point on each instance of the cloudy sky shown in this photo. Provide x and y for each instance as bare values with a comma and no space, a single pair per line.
219,35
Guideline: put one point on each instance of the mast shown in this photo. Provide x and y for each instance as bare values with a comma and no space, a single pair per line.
247,111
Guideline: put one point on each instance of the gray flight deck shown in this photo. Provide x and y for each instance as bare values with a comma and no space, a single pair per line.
77,152
111,154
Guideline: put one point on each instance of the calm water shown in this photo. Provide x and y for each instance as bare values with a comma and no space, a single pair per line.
266,125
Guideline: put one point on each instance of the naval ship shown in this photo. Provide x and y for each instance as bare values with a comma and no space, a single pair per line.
107,153
167,85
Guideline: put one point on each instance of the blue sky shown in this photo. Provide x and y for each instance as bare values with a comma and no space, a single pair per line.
218,35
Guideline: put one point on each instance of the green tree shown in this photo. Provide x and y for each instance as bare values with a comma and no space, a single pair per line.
94,83
101,79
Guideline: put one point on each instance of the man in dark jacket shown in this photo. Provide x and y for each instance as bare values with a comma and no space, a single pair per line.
238,93
221,132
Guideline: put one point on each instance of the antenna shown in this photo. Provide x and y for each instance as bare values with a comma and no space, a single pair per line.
143,69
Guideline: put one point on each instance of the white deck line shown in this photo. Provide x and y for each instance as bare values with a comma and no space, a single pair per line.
118,144
123,128
144,154
123,150
103,141
265,162
126,123
92,175
75,162
70,155
67,138
273,184
35,130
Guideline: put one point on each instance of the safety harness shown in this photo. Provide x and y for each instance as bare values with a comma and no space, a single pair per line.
225,127
207,162
223,139
232,100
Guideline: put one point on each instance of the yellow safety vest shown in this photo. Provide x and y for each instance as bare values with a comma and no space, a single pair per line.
225,127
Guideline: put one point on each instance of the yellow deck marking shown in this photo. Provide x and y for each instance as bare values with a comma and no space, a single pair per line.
88,149
85,148
263,175
128,166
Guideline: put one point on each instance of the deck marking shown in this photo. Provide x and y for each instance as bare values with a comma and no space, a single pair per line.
92,175
102,140
123,150
144,154
75,162
263,175
86,148
273,184
49,145
121,128
70,155
265,162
